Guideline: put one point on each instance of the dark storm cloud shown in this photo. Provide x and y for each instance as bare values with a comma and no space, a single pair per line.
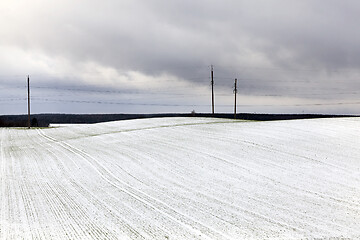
283,47
155,36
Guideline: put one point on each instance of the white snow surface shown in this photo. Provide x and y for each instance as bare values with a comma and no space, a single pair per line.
182,178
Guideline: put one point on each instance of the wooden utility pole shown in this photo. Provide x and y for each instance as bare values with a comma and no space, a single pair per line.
235,92
28,85
212,89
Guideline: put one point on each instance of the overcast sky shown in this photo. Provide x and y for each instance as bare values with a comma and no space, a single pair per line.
140,56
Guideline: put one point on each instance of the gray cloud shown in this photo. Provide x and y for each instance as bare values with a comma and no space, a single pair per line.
305,50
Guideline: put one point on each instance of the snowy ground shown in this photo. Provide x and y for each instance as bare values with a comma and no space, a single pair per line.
182,178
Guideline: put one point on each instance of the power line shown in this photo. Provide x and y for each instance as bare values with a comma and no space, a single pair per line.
161,104
245,91
13,99
177,105
118,103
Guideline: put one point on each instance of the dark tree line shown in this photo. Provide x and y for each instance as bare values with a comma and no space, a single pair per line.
43,120
12,123
18,123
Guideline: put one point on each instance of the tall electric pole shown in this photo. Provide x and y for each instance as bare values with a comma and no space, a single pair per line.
212,89
28,85
235,92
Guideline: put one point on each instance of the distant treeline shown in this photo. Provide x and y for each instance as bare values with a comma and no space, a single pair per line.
43,120
11,123
19,121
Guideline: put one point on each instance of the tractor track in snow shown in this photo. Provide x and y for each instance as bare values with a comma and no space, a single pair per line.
96,201
224,157
245,210
140,196
62,206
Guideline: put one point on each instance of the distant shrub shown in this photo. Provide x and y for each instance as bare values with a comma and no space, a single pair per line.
34,122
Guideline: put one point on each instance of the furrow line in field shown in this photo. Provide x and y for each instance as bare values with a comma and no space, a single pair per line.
311,218
151,186
350,134
234,209
78,215
62,207
222,202
58,205
142,182
271,149
193,192
146,199
15,216
111,211
99,204
13,221
257,199
23,187
31,210
299,156
224,157
28,209
134,195
95,200
31,171
133,233
2,187
60,210
344,203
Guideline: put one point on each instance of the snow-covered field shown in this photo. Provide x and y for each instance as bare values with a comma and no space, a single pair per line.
182,178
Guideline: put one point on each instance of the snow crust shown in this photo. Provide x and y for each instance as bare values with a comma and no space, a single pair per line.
182,178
